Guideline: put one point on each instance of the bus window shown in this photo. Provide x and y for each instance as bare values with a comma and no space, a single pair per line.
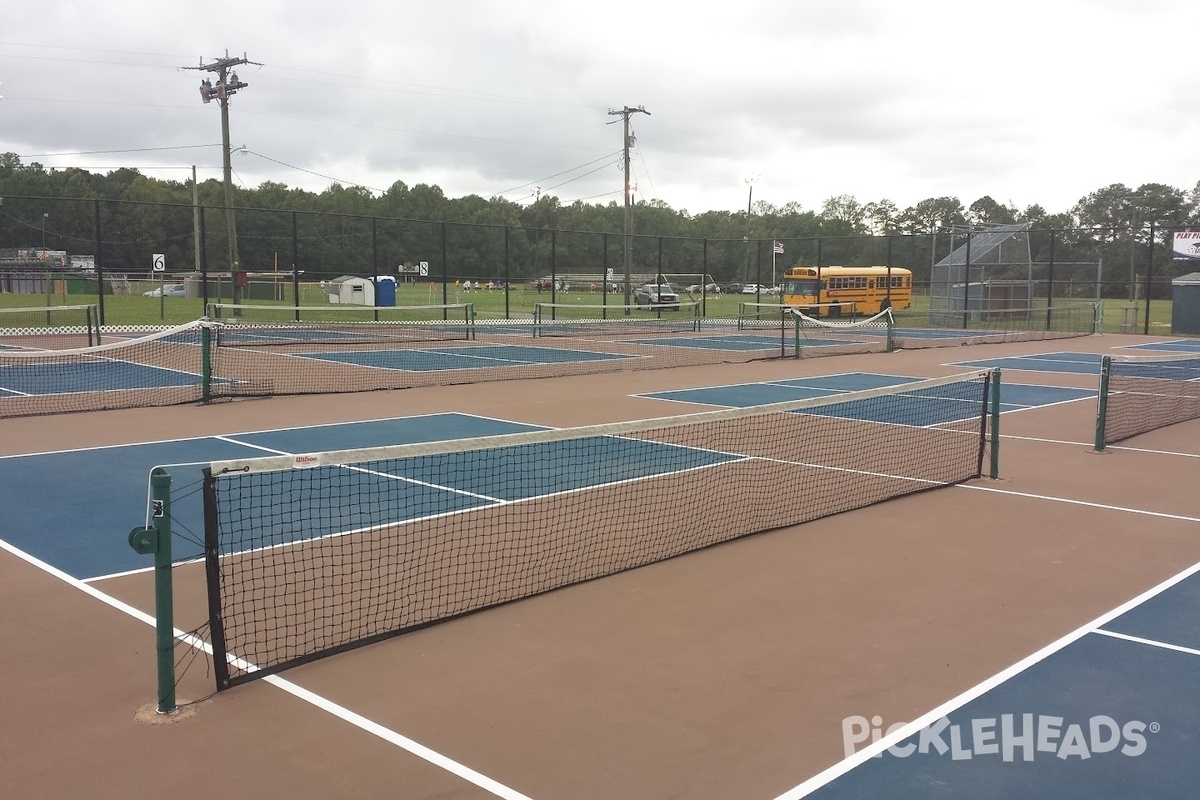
805,287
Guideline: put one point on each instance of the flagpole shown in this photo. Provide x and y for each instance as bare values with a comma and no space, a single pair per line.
776,249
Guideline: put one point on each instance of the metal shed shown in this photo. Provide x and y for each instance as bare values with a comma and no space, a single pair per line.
352,290
1185,304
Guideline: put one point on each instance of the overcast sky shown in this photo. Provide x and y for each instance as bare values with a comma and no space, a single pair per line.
1026,101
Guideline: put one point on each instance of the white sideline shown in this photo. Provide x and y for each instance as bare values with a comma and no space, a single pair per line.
862,756
357,720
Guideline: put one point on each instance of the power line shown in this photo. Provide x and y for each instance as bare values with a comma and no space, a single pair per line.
317,174
564,172
117,152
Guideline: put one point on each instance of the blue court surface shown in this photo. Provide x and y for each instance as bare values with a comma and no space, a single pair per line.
467,357
1078,363
288,335
728,341
1182,346
40,379
1108,711
100,500
936,406
115,375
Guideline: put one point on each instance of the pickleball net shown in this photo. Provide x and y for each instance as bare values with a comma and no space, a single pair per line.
309,555
815,336
613,320
1139,394
49,327
263,325
157,369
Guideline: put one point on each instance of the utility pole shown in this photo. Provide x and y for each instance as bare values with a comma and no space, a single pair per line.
226,86
627,140
749,216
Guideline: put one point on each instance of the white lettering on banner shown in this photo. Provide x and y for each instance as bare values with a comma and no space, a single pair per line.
988,736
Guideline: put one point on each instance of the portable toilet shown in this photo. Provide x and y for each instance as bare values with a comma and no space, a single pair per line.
352,290
385,290
1185,304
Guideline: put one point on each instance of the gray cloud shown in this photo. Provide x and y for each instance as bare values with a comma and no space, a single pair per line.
880,100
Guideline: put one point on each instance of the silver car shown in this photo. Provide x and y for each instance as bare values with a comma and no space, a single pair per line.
657,295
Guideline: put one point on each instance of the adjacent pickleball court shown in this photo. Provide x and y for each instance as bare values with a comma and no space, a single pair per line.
50,378
1101,668
1076,363
1176,346
938,405
435,359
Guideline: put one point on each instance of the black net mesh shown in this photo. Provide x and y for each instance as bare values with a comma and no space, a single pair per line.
308,555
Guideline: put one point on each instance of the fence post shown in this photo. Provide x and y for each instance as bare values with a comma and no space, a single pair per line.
156,540
1149,279
1049,280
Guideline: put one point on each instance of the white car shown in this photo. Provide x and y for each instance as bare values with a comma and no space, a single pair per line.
166,290
751,288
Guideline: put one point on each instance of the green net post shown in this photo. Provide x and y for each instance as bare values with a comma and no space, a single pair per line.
205,361
93,326
1102,402
891,329
156,540
796,329
995,413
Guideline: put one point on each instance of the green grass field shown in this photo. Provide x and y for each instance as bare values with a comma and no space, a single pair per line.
136,309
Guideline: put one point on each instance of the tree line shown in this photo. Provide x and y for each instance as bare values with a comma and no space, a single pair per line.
351,230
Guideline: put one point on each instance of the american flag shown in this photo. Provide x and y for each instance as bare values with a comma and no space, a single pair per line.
778,247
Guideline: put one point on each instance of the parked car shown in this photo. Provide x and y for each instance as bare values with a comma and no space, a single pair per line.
751,288
710,288
166,290
658,295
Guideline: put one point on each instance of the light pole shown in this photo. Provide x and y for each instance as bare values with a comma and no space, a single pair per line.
45,216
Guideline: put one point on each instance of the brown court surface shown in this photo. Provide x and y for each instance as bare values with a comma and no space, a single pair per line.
720,674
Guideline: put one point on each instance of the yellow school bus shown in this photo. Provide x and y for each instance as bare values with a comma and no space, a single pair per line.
834,291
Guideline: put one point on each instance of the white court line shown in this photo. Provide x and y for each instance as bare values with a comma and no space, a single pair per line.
1091,445
1191,651
862,756
1070,501
357,720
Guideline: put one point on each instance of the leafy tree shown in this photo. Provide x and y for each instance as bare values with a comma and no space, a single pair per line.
986,211
933,214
